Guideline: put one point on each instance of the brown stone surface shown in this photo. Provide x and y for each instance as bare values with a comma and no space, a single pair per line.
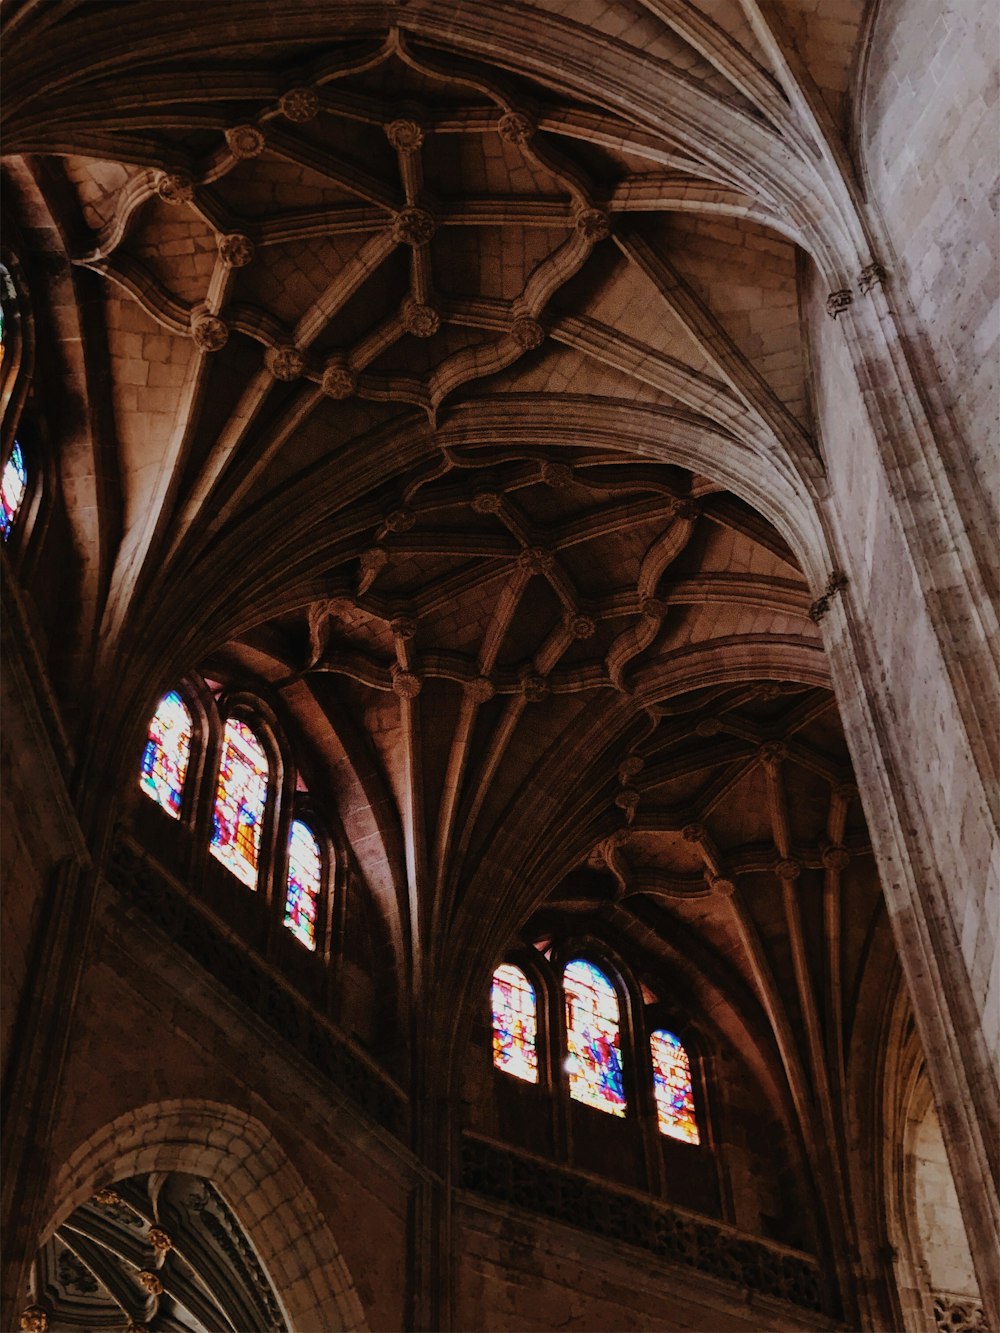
520,415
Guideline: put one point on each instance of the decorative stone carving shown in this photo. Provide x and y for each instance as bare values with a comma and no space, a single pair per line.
872,275
413,226
160,1240
772,752
34,1319
401,519
837,302
299,105
557,475
338,381
373,562
150,1282
628,800
836,858
487,502
516,128
480,689
767,691
593,223
788,869
653,607
630,767
693,832
406,683
534,687
709,726
404,627
686,509
955,1315
406,136
581,626
245,141
284,363
210,332
721,884
235,249
423,321
536,559
175,188
107,1198
527,333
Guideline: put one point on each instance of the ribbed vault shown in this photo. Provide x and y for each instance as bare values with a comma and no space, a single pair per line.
462,402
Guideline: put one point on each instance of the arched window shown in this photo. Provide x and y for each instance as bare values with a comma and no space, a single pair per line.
305,869
592,1035
672,1086
238,816
13,486
168,748
515,1025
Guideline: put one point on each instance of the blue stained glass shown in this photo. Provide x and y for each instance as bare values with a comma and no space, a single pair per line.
238,817
592,1036
514,1023
13,486
672,1086
165,758
302,894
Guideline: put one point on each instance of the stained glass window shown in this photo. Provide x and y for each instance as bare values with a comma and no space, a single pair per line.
592,1032
13,486
165,758
514,1023
239,802
302,894
672,1085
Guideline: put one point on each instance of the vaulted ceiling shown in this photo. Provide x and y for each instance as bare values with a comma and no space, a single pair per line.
442,366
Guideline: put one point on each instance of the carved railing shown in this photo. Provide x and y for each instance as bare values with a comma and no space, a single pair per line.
673,1235
232,963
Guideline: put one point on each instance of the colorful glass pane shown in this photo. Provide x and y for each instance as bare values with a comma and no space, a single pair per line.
239,802
514,1023
165,758
594,1064
672,1086
12,487
304,872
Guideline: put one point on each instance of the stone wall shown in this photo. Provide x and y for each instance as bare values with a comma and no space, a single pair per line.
928,132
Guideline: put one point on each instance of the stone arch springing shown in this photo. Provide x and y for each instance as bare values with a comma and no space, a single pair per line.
257,1180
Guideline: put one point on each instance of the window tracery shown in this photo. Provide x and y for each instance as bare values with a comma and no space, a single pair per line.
167,753
515,1023
241,796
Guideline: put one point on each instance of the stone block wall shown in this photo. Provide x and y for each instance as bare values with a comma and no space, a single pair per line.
928,144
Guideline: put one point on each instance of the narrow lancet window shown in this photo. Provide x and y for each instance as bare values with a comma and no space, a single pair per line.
593,1039
672,1086
515,1026
165,758
13,486
239,802
305,868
